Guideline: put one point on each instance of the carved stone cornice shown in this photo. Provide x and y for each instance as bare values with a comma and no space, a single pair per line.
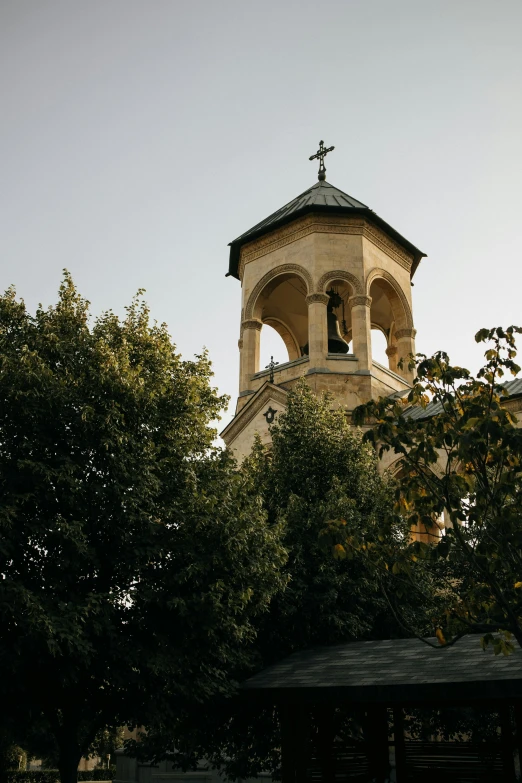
360,299
252,323
388,246
323,224
317,298
405,333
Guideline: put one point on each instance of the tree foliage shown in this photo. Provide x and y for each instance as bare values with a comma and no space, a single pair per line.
317,468
133,561
12,756
106,743
461,459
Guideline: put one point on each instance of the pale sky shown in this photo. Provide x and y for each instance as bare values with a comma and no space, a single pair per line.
139,137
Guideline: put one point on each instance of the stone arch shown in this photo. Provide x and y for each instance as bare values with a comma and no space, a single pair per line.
380,342
279,270
420,532
407,320
379,328
292,346
340,274
395,468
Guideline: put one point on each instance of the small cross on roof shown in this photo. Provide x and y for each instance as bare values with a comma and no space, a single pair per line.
271,367
321,152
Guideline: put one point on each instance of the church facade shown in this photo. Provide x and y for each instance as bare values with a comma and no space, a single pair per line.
323,271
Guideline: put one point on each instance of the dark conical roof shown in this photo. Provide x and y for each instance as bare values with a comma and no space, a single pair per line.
321,197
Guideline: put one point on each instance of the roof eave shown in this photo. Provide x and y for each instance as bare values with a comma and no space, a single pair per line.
237,244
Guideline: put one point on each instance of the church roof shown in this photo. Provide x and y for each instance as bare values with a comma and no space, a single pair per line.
321,197
415,412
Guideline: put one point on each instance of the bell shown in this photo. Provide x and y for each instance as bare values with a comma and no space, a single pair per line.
336,344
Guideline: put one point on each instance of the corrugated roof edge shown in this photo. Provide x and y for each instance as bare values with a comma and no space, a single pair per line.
318,189
513,388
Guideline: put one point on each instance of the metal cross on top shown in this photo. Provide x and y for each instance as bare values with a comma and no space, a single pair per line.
271,367
321,152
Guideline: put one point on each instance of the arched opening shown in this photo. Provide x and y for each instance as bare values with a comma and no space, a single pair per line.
272,345
281,307
388,315
430,534
341,325
379,346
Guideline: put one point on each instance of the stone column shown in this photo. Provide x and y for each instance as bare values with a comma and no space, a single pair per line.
317,329
405,346
249,352
361,330
391,353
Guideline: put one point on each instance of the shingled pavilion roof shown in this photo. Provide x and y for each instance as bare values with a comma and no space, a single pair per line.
321,197
392,671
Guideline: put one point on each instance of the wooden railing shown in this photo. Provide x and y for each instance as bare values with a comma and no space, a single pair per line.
425,762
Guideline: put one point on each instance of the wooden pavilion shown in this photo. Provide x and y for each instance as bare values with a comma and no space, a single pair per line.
382,681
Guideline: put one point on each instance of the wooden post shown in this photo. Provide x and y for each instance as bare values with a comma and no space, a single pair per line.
302,743
288,760
377,742
506,739
518,724
326,731
295,740
400,748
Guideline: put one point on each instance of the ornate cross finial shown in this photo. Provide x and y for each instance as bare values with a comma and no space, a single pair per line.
321,152
271,367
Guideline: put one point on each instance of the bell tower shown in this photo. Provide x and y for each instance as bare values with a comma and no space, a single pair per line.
323,271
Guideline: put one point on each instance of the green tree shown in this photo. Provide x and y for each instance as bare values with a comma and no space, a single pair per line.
133,562
318,468
461,456
40,743
106,743
12,756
